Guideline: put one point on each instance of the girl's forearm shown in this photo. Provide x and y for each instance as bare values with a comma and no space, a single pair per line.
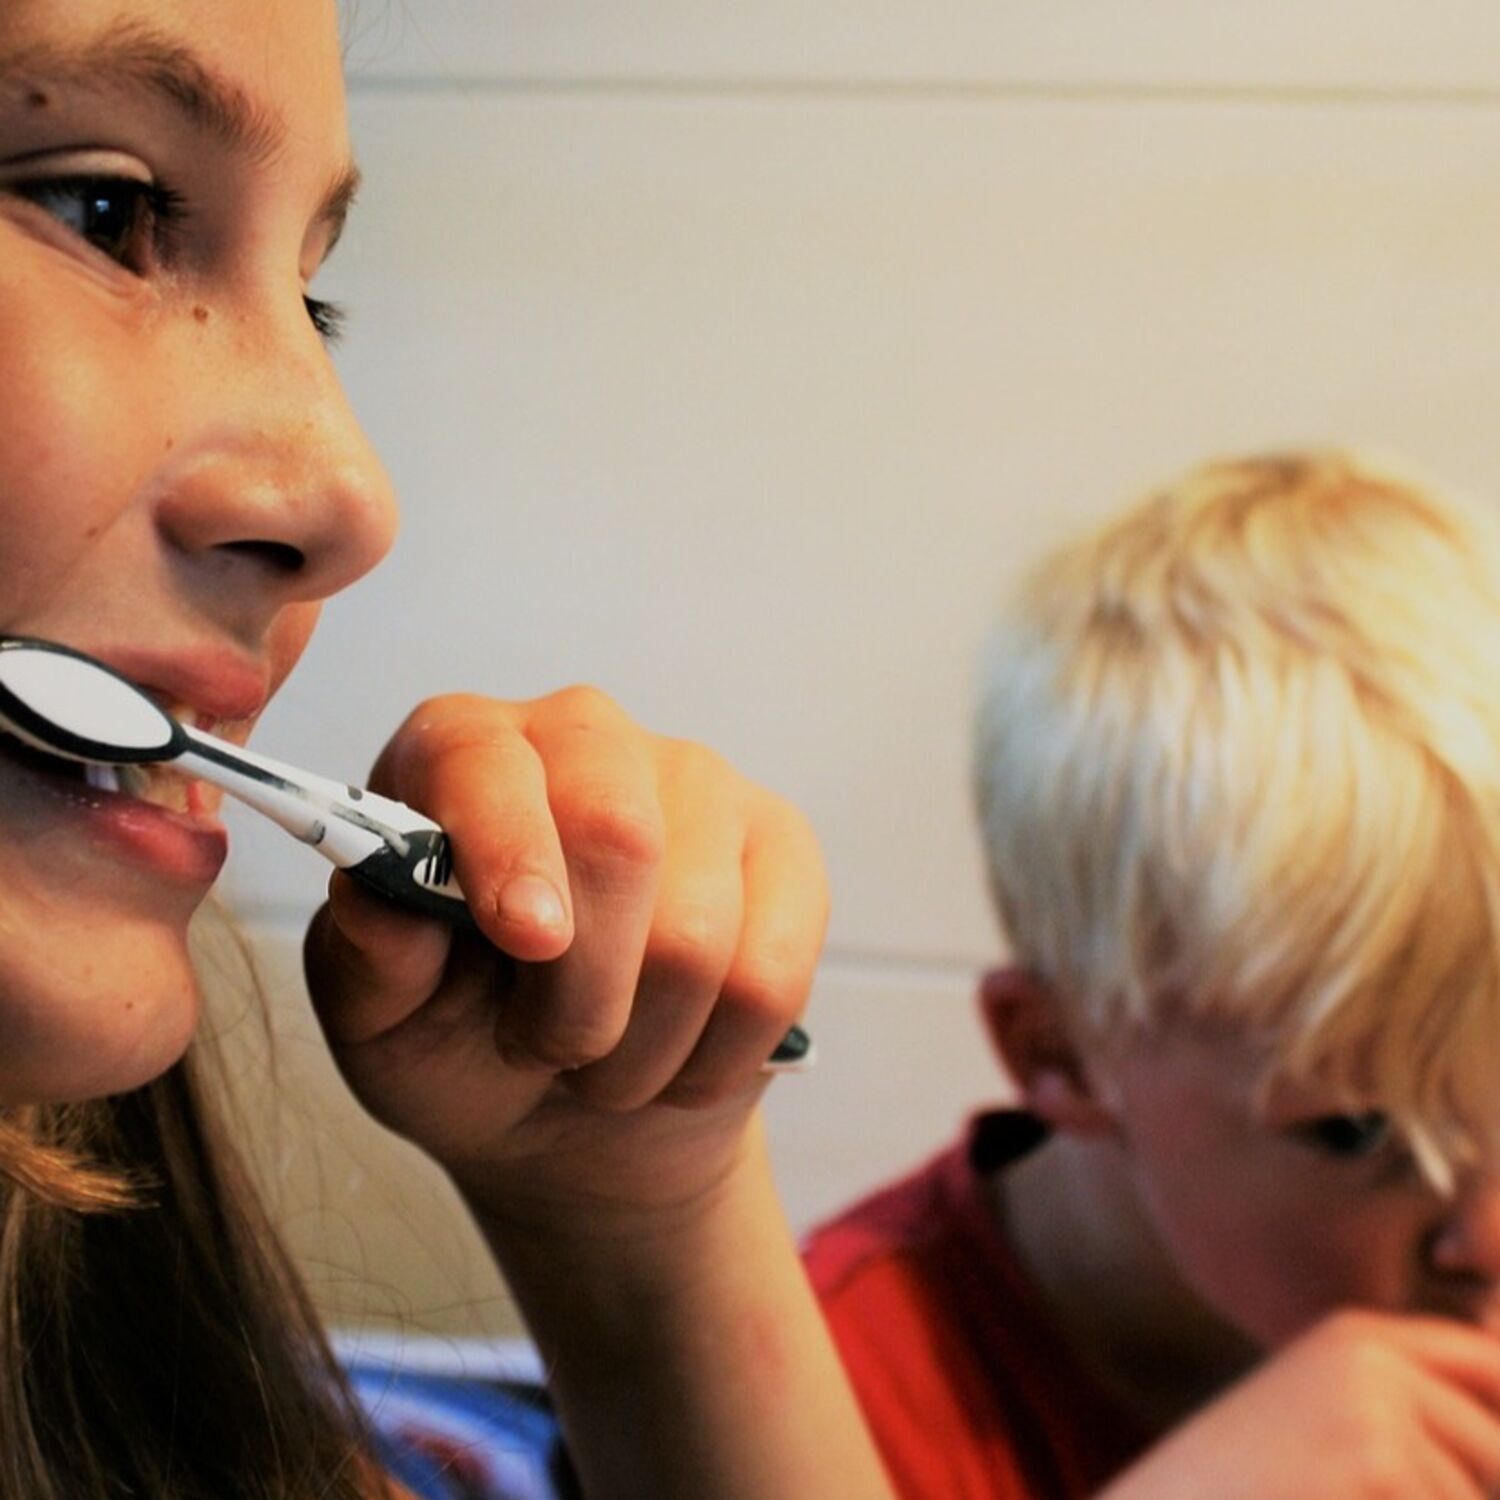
693,1361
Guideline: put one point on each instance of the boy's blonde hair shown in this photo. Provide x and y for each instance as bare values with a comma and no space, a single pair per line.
1238,760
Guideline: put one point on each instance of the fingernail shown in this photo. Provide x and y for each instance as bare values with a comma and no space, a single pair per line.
530,901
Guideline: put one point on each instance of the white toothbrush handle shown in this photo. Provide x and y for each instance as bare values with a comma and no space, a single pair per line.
385,844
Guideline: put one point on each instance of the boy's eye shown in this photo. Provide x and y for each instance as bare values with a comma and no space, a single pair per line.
1347,1135
113,214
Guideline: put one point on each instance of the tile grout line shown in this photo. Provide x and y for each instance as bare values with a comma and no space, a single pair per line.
924,91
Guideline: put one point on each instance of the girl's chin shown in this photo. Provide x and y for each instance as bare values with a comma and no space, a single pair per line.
83,1020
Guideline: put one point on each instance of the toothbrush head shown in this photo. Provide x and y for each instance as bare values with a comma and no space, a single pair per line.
67,704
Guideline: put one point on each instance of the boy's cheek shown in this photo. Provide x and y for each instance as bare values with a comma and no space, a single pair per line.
1273,1263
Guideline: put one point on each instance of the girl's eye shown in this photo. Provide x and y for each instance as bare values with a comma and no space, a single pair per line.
116,215
1347,1135
123,217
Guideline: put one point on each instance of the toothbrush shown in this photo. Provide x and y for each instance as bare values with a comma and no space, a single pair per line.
67,704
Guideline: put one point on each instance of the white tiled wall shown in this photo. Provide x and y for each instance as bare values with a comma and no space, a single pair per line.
735,358
1200,45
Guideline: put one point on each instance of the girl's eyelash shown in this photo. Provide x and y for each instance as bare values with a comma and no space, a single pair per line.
168,206
328,318
151,210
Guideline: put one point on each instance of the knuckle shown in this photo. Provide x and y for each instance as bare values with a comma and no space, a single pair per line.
1385,1470
797,842
613,828
582,704
568,1044
788,823
698,764
445,713
599,1088
1361,1347
440,726
698,1092
1346,1328
794,823
769,985
691,941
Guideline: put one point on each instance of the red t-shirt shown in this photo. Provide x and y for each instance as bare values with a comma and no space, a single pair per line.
963,1377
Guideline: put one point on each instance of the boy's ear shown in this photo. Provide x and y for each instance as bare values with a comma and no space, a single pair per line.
1026,1029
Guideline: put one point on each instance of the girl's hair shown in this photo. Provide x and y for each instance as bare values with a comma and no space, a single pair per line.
155,1342
1238,762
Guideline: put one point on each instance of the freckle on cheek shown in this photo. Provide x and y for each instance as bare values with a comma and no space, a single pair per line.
38,99
200,313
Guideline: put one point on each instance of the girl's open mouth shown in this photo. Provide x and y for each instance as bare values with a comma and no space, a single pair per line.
154,784
152,816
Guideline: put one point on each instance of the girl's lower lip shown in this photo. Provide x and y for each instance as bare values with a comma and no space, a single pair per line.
174,843
179,846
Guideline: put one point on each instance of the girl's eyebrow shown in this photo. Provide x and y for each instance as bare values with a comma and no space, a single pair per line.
134,57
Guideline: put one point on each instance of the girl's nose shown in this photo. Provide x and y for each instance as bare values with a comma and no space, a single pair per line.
274,486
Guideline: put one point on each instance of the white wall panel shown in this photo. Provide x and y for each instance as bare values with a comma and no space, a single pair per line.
747,409
1272,44
381,1235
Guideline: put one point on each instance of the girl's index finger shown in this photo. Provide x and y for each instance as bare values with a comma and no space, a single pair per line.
465,763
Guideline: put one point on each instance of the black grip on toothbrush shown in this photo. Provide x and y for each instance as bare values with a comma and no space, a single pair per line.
415,880
794,1048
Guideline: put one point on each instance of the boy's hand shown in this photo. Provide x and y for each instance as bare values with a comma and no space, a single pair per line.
1366,1406
601,1060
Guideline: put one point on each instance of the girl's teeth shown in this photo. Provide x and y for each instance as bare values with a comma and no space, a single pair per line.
103,777
157,786
133,780
190,717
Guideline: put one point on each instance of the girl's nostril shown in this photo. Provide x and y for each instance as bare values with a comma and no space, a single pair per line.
280,556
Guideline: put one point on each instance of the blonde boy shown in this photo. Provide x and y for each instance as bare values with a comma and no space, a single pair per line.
1238,766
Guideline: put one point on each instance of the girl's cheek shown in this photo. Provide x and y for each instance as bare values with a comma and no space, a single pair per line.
288,638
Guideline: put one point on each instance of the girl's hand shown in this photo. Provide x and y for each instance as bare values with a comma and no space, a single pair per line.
649,923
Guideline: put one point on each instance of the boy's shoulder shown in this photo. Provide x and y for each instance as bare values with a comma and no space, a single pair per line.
963,1377
927,1217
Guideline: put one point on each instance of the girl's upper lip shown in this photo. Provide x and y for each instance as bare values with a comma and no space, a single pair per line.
218,681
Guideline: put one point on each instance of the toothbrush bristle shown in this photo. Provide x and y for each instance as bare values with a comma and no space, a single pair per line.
105,778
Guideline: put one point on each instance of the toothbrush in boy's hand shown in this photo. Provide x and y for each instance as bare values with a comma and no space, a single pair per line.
66,704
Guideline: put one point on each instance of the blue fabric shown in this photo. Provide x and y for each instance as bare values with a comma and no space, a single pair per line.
452,1437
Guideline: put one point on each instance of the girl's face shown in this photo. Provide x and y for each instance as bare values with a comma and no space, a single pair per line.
181,482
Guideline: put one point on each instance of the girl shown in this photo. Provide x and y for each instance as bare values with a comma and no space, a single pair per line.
181,486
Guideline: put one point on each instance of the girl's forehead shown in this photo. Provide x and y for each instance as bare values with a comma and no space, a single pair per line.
258,82
282,59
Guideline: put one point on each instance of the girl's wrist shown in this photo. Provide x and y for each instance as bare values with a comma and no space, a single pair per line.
554,1232
684,1346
